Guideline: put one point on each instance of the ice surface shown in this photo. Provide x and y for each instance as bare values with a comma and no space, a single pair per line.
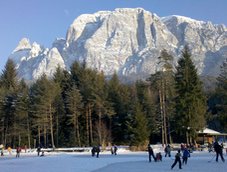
124,161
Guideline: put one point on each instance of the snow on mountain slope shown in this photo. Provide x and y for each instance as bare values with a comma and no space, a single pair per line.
127,41
33,60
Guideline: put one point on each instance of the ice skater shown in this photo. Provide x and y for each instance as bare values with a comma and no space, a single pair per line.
150,153
177,160
168,151
18,150
186,155
218,150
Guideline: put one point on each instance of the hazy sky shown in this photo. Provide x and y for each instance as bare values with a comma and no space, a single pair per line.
45,20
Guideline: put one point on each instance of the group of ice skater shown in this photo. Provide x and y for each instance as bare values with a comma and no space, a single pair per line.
182,153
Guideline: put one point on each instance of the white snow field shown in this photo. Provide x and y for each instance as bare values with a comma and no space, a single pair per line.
124,161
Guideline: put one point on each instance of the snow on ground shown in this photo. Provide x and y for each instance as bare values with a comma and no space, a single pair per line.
125,161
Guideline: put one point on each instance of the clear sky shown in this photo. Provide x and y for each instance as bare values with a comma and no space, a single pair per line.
45,20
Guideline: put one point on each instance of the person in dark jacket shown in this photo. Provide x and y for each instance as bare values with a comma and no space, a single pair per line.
93,150
186,155
18,150
177,160
38,150
115,150
218,150
97,151
150,153
168,151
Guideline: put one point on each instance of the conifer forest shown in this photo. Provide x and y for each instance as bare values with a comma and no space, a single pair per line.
83,107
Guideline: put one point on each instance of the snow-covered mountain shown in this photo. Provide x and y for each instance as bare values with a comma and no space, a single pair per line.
126,41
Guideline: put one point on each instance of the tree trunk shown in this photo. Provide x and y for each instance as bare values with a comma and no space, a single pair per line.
19,140
39,135
100,127
51,126
161,112
90,123
57,129
28,134
87,125
78,131
164,115
45,136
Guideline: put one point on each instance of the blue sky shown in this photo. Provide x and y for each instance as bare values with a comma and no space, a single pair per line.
44,20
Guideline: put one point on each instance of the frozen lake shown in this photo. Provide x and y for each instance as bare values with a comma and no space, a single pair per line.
123,162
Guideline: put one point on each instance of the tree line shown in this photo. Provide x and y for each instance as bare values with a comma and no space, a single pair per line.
80,107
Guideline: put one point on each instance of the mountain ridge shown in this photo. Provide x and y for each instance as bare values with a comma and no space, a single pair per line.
127,41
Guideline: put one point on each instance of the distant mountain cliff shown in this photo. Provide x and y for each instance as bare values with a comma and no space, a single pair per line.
126,41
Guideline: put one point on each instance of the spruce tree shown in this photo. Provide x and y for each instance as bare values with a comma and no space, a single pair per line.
147,98
84,79
163,83
221,97
22,118
62,130
119,96
74,106
137,125
8,84
190,99
43,94
102,108
9,79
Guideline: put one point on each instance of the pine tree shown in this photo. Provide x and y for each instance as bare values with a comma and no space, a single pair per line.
84,78
190,100
221,96
43,94
102,108
74,106
163,83
9,79
147,98
119,96
137,126
62,129
22,118
8,84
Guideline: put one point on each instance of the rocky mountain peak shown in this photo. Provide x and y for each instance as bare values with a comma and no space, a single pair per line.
23,44
126,41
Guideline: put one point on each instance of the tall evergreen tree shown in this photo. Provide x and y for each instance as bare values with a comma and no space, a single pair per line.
147,99
221,97
43,94
84,78
190,100
8,84
163,84
137,126
9,79
22,118
119,96
74,106
62,130
102,109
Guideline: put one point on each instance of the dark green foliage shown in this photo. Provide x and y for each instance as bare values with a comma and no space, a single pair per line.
218,101
137,126
9,97
74,106
9,79
147,100
119,95
190,100
162,87
43,94
83,108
